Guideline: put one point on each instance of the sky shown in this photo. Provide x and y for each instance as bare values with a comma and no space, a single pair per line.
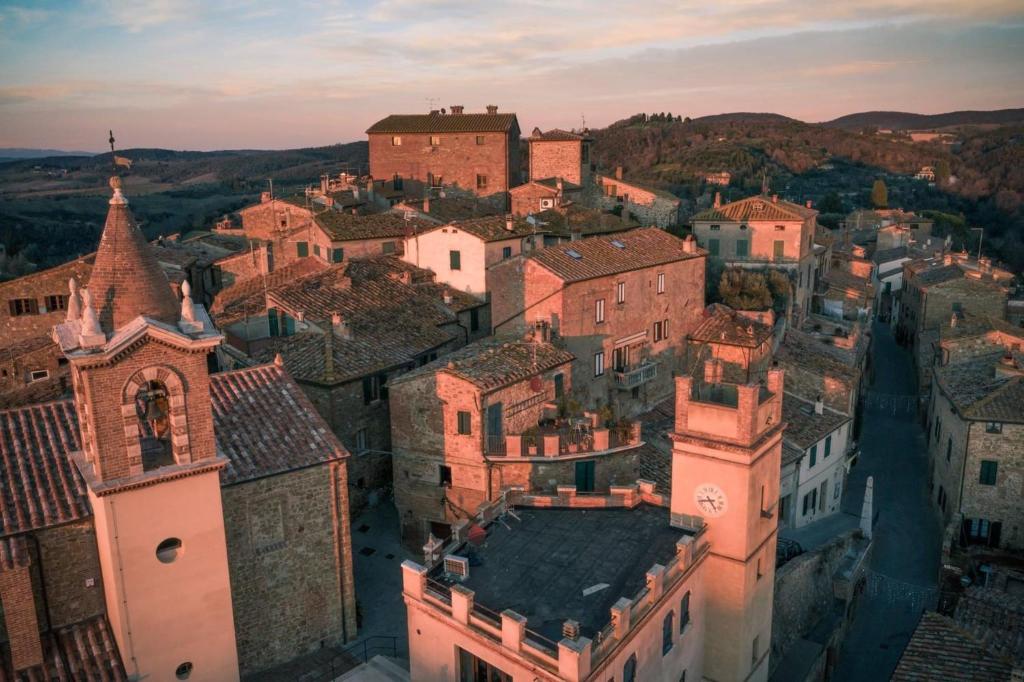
228,74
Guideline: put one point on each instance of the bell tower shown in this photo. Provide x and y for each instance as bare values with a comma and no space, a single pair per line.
726,462
149,459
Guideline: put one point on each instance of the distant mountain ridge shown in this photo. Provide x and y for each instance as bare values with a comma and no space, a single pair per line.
19,153
900,120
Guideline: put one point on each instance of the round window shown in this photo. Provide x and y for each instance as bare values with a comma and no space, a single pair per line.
168,551
184,671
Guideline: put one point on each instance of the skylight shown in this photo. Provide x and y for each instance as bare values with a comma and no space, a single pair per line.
617,244
572,253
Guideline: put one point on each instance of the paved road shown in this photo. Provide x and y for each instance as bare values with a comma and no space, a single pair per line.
905,562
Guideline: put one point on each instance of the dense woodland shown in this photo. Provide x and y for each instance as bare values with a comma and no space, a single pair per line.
52,209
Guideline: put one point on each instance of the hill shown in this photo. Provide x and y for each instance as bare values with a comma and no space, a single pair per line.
17,153
899,120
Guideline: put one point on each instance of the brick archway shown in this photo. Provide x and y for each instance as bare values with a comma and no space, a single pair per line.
177,416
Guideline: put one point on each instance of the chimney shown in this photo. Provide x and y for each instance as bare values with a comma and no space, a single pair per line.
355,191
618,172
571,630
491,109
456,109
718,200
264,197
325,183
952,321
559,185
808,203
775,198
426,204
447,297
689,244
20,606
341,328
509,225
947,259
819,406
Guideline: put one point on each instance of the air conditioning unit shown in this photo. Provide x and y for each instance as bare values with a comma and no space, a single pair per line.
456,567
547,203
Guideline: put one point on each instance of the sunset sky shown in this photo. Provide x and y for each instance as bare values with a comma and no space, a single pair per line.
213,75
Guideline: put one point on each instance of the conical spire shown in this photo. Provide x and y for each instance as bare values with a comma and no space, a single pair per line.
126,279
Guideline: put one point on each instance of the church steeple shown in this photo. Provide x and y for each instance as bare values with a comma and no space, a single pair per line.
126,279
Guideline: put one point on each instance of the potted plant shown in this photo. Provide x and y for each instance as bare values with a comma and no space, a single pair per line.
530,438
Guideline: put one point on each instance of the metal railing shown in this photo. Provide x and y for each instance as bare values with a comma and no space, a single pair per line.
495,444
631,378
374,645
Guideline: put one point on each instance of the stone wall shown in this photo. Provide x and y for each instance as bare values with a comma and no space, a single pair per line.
554,159
289,556
457,160
804,592
525,199
947,436
243,266
37,287
1000,502
16,369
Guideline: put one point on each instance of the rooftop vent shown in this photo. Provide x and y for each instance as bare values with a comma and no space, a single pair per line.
574,254
456,567
571,629
617,244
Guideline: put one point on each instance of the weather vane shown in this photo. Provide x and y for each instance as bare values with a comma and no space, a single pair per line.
113,156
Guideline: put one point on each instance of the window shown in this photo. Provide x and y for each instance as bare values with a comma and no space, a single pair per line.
473,669
316,250
444,475
481,182
828,445
337,255
994,427
599,311
941,499
814,455
585,153
474,319
938,427
810,502
657,330
780,249
629,670
38,375
716,228
479,139
780,228
435,140
661,282
684,612
455,260
168,550
23,306
464,425
374,388
620,292
361,440
988,472
742,248
664,329
302,249
153,409
506,252
755,650
388,248
667,627
949,449
599,363
396,141
559,385
713,246
56,302
760,573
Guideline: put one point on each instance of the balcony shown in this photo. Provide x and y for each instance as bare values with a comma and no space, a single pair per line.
579,436
629,379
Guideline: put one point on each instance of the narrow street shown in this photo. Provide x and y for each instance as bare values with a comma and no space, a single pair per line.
904,566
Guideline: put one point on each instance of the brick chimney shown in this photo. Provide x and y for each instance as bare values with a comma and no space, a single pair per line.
775,198
618,172
19,602
819,405
264,197
808,203
492,109
456,109
689,244
426,204
718,200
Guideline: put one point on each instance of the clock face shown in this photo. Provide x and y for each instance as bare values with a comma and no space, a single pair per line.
710,499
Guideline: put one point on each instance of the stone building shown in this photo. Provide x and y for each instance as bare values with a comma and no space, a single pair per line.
548,194
975,436
341,236
560,154
165,508
648,205
32,370
461,254
494,414
703,610
31,305
762,231
816,368
473,152
621,304
741,345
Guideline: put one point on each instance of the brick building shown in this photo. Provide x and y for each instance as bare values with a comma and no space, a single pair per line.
975,436
494,414
31,305
473,152
621,304
703,610
156,465
762,231
648,205
742,345
560,154
548,194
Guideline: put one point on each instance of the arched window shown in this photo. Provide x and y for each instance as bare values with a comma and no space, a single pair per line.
666,632
153,409
629,670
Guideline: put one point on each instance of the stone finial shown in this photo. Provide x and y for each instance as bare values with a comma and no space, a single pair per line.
118,199
74,302
188,322
91,334
278,360
867,510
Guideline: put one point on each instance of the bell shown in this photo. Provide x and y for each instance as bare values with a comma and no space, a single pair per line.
154,413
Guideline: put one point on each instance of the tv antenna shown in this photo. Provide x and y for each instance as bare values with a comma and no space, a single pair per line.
583,122
431,101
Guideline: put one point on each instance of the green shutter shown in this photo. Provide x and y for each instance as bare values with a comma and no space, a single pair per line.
337,255
275,327
302,249
713,247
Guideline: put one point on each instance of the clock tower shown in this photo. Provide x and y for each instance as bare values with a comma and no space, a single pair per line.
727,448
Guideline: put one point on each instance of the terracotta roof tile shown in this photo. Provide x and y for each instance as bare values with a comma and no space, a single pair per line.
343,227
39,485
495,362
979,393
445,123
940,650
448,209
14,553
725,325
587,221
804,427
85,651
248,297
995,618
601,256
757,208
495,228
265,425
556,135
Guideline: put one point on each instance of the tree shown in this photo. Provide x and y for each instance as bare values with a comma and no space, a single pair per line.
687,119
879,194
831,203
744,290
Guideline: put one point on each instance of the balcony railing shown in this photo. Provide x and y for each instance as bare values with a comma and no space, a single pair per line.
577,437
628,379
